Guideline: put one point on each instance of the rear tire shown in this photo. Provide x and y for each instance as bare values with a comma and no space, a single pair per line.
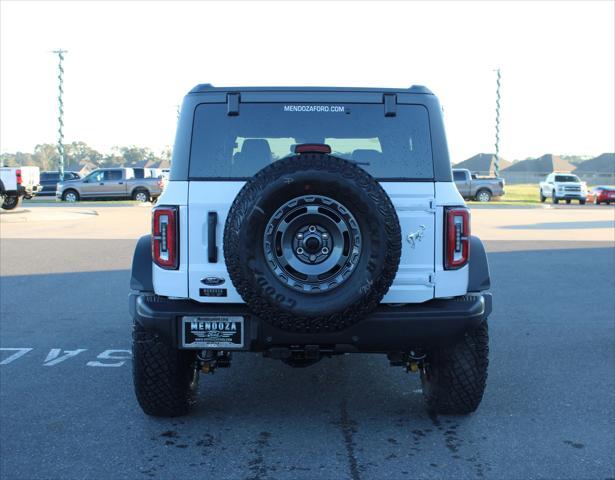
483,195
454,376
568,201
582,202
165,378
11,202
554,198
542,197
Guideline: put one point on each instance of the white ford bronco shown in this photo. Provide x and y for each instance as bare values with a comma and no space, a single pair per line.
305,223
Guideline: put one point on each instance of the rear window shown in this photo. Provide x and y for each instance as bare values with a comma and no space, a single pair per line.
50,177
236,147
459,176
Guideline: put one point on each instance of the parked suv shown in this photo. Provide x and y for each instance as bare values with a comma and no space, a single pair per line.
305,223
472,187
110,183
50,180
563,186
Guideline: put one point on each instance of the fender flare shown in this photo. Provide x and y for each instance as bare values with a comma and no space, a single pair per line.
141,277
479,276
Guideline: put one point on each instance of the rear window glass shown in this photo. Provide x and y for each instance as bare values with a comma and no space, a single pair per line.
113,175
50,177
459,176
236,147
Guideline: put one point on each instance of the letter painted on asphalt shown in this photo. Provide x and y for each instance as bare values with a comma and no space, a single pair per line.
19,352
121,355
53,358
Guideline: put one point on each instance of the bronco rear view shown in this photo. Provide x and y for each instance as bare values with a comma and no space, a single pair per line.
305,223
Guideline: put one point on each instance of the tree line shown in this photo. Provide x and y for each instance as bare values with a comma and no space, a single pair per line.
79,155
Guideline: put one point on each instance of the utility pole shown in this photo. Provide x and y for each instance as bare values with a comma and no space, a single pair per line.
497,124
60,54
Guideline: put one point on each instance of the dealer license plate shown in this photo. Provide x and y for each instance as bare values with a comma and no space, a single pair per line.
220,333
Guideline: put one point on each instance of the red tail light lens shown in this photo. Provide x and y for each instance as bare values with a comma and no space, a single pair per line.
457,238
18,175
165,237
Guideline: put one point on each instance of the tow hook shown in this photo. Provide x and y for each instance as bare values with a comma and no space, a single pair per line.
414,361
209,361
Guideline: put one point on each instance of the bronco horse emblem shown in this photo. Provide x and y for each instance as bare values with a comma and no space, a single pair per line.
416,236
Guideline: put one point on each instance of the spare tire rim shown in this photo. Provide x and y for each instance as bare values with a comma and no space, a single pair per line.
312,243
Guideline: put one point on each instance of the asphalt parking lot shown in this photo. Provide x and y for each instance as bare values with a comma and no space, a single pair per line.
67,408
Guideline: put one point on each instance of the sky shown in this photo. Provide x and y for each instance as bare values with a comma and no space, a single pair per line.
130,63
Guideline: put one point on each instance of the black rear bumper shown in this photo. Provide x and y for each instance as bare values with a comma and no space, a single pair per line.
388,329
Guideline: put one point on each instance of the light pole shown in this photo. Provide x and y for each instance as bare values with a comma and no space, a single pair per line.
60,54
497,124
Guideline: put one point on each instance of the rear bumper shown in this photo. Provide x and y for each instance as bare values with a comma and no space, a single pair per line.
388,329
29,190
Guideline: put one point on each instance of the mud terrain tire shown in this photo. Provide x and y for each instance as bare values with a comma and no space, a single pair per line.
349,191
455,376
164,377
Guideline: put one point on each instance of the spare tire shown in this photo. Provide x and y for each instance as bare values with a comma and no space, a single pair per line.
312,243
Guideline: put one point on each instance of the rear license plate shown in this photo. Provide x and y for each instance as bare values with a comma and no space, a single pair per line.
220,333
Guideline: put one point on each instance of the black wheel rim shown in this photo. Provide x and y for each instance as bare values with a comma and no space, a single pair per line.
312,243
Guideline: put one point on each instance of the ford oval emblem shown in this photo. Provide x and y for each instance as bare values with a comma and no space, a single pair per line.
212,281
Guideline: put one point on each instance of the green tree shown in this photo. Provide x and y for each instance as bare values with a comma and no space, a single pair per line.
136,155
80,154
46,156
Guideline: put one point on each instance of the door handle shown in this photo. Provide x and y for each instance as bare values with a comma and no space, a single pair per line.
101,183
212,248
120,183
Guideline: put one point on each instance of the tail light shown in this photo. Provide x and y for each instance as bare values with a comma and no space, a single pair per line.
457,238
18,175
165,237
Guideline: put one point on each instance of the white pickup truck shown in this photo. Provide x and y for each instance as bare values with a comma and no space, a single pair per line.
563,186
17,183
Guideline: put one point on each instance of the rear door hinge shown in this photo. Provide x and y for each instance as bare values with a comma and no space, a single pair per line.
390,104
232,104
